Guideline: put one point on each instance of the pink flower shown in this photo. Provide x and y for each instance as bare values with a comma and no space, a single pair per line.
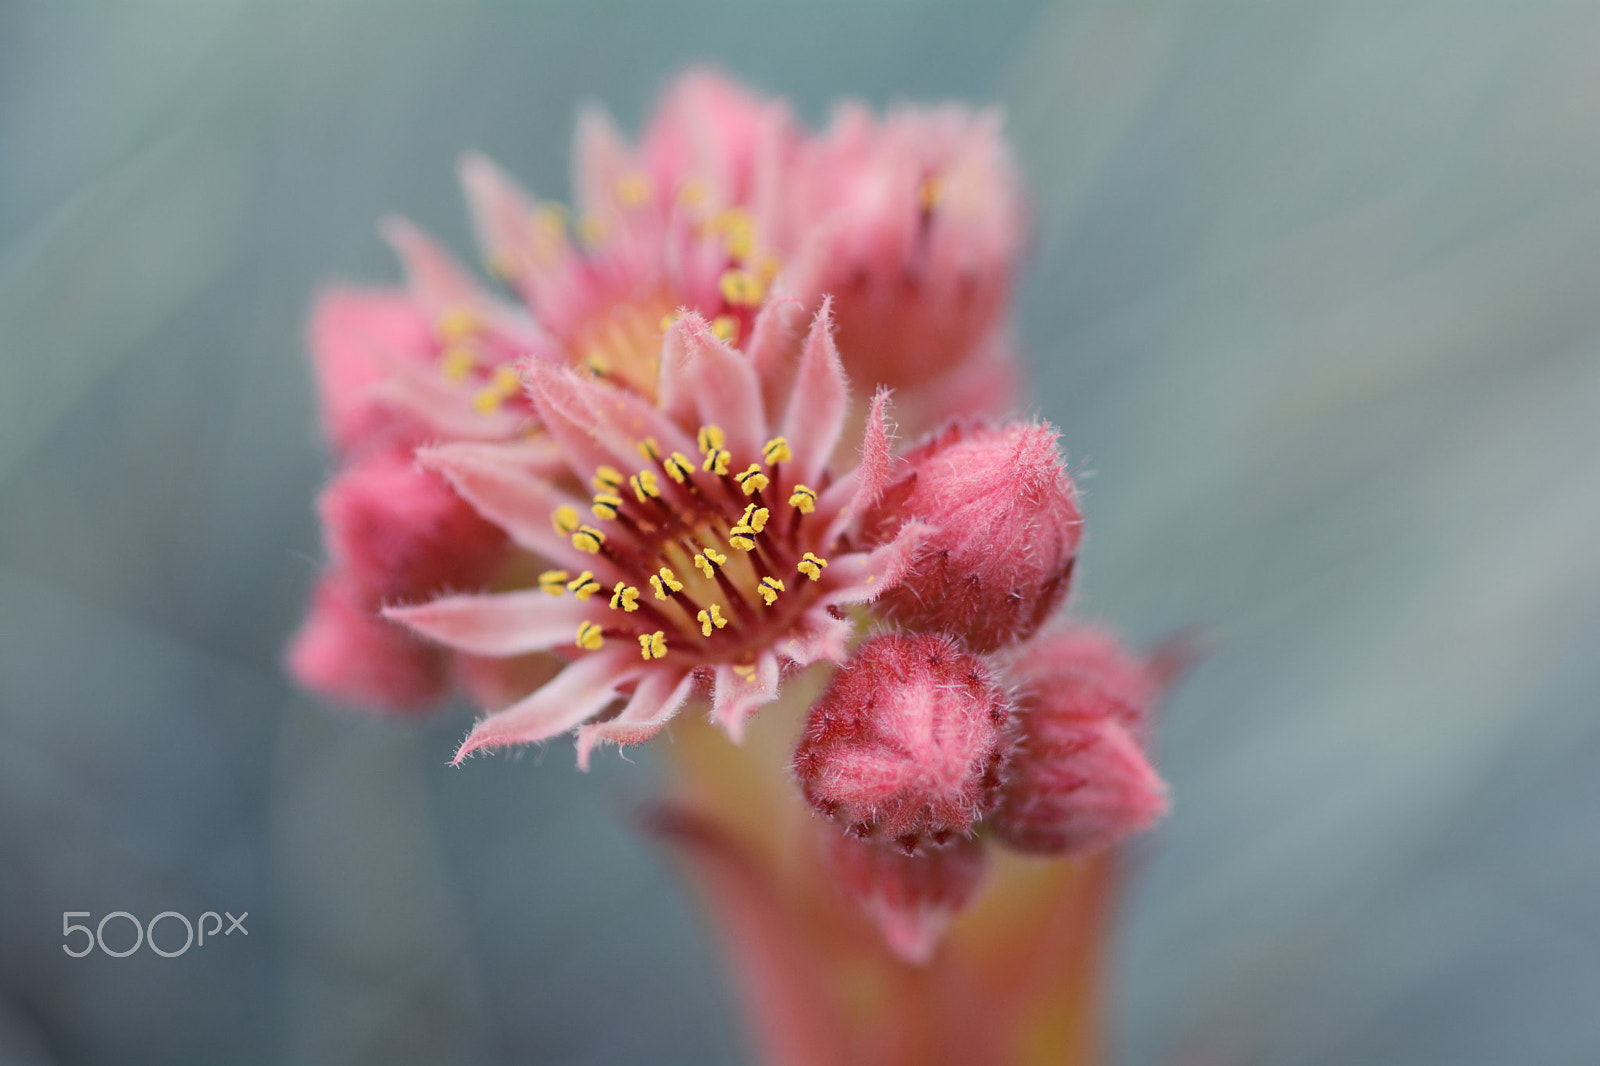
1080,780
716,547
906,745
345,650
1006,527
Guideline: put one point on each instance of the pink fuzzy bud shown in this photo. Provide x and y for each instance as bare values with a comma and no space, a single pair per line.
344,650
402,533
1007,527
912,898
1079,780
907,743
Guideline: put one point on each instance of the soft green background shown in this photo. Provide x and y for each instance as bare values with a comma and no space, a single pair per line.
1315,300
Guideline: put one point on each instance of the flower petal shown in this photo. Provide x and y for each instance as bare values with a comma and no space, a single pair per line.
738,695
495,479
601,158
851,495
859,578
819,401
578,692
703,378
775,346
654,702
817,637
498,624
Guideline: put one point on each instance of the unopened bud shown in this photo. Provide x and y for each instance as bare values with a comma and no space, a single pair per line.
1079,780
1006,523
906,745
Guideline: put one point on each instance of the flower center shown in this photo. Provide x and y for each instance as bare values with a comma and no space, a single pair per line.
702,559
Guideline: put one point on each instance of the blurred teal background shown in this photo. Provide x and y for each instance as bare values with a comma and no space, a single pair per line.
1315,300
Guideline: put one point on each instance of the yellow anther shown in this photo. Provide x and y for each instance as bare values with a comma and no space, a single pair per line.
811,566
459,322
738,230
667,321
501,267
645,485
776,450
565,519
553,581
710,617
665,583
755,517
589,636
741,288
679,467
746,671
597,364
929,193
487,400
584,585
767,268
717,460
633,190
743,538
709,438
606,505
551,219
625,597
709,561
648,449
457,363
692,193
803,499
725,328
588,539
593,230
607,478
505,381
753,480
769,589
652,645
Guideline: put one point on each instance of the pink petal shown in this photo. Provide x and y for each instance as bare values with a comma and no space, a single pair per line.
502,216
819,401
817,637
436,279
564,412
601,159
736,698
345,651
654,702
355,336
499,624
445,409
862,576
705,378
775,345
495,480
861,488
581,690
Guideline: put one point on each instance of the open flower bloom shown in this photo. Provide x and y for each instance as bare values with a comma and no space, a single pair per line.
716,547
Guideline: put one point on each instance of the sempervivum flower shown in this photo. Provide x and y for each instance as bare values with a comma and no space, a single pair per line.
716,546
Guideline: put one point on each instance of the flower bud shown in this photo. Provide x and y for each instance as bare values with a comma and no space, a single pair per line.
906,745
402,533
344,650
912,898
1007,528
1079,780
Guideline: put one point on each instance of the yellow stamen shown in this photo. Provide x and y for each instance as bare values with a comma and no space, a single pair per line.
776,450
746,671
457,363
767,268
717,460
553,581
725,328
625,596
505,381
693,193
551,219
769,589
743,538
645,485
633,190
588,539
708,561
803,499
755,517
665,583
607,479
486,401
710,438
741,288
649,449
589,636
710,617
565,519
811,566
679,467
606,505
584,585
753,480
593,230
459,322
653,645
597,364
929,193
738,230
667,320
